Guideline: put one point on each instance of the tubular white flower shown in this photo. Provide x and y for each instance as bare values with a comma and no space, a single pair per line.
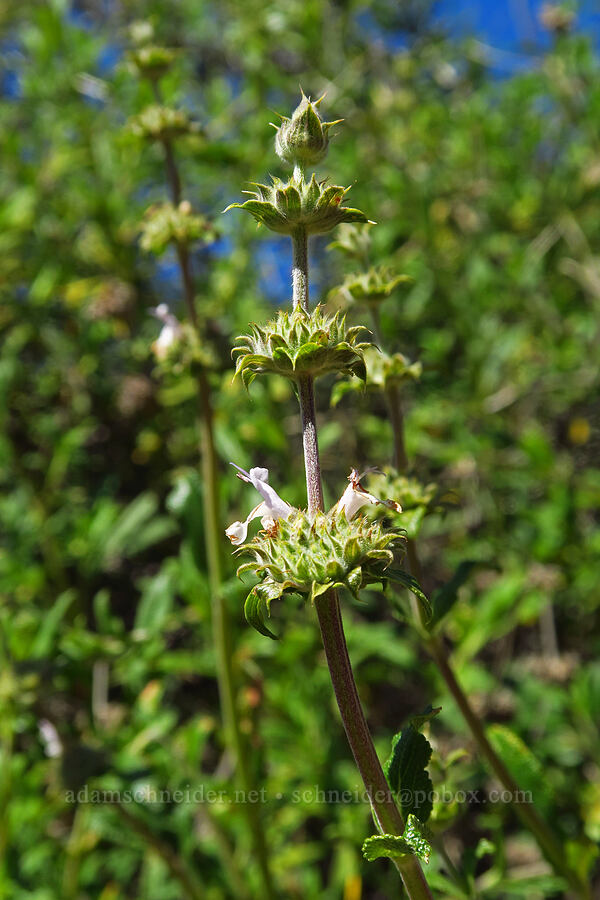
50,739
355,496
170,332
271,509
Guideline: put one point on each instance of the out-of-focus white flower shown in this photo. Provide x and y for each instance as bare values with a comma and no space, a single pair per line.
50,738
170,332
271,508
355,496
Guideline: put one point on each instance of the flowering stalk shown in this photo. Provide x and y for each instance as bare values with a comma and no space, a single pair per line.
312,552
385,811
527,812
221,623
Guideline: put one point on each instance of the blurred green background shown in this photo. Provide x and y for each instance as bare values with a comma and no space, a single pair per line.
481,164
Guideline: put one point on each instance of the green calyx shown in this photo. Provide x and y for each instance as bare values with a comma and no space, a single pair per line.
384,370
416,499
302,140
166,224
151,61
309,555
314,206
160,123
298,343
354,241
374,286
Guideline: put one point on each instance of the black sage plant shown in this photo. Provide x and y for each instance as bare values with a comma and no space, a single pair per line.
315,552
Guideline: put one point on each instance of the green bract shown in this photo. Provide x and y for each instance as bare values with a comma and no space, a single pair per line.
383,370
373,286
309,555
299,343
354,241
303,139
165,224
415,498
152,61
161,123
285,207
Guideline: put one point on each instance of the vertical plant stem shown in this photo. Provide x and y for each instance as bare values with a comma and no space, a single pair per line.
383,805
300,269
212,529
527,812
394,403
312,465
176,865
392,396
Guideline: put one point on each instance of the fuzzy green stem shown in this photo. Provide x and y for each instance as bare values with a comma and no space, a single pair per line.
385,811
300,269
527,812
312,465
212,530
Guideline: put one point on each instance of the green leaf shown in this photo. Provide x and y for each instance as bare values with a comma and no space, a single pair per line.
406,769
385,846
254,608
50,622
413,835
156,603
536,885
407,580
391,846
137,528
445,597
523,766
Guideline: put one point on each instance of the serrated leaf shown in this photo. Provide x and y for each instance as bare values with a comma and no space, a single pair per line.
385,846
406,769
413,836
391,846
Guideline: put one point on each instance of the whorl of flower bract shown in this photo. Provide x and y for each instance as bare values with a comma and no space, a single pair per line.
303,139
166,224
353,241
151,61
300,343
161,123
417,499
383,370
374,286
285,207
309,555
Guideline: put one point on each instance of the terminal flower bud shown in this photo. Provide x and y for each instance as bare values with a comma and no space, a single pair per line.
303,139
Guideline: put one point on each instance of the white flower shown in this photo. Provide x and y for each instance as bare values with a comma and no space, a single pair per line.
50,738
271,508
170,332
355,496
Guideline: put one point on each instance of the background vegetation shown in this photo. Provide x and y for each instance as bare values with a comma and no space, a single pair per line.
486,191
